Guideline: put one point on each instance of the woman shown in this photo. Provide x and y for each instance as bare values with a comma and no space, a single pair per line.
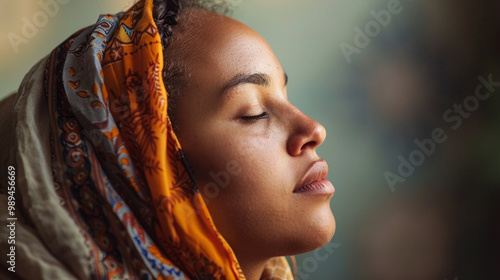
106,188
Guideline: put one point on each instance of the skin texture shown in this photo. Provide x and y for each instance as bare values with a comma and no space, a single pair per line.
246,169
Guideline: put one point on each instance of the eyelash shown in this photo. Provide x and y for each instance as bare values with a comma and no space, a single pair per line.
264,115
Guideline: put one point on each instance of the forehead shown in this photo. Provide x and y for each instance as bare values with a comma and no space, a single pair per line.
219,47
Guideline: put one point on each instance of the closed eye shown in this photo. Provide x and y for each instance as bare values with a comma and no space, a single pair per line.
264,115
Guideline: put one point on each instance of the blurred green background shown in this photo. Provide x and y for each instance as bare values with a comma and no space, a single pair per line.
379,75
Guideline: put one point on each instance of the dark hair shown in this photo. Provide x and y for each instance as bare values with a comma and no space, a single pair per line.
166,15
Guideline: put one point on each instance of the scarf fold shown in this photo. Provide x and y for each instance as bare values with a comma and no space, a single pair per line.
117,165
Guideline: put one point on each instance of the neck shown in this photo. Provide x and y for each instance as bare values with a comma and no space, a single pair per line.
252,269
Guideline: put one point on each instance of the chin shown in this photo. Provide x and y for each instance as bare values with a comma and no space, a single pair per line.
314,234
324,232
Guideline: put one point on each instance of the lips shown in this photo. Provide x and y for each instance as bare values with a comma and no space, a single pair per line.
314,181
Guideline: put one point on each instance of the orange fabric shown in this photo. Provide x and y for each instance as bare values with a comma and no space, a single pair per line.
183,227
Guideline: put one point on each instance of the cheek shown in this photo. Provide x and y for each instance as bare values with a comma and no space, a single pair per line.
246,164
237,179
232,174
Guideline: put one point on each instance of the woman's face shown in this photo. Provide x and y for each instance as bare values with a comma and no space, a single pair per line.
250,149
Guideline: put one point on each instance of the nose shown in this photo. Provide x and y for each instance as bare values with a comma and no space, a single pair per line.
306,134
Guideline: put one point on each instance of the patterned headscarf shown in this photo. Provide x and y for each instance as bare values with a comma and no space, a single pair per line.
118,167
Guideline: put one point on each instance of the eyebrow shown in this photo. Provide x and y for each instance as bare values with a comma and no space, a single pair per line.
260,79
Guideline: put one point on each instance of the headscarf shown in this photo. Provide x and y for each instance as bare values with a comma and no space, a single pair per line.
118,168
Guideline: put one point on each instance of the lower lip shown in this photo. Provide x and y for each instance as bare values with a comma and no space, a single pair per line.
320,187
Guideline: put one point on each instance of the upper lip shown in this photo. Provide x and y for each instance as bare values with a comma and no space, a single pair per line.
318,170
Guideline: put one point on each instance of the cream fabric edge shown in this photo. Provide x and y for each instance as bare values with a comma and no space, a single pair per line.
47,236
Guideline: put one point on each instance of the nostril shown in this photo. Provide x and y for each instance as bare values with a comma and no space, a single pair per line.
310,144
